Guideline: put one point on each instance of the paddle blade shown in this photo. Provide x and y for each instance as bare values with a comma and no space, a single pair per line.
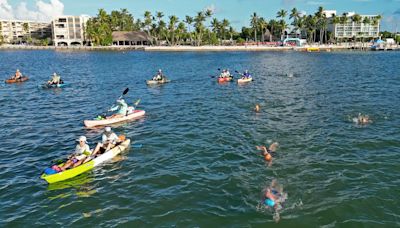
125,91
137,102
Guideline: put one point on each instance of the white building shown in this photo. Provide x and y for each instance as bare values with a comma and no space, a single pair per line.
351,29
16,31
69,30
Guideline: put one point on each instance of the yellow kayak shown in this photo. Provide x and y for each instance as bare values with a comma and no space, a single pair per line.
70,173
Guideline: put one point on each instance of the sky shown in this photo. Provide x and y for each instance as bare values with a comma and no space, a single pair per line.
236,11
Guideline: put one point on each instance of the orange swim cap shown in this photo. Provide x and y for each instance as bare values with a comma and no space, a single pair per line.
268,157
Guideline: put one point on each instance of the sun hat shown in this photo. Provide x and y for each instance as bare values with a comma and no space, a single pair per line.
82,138
107,129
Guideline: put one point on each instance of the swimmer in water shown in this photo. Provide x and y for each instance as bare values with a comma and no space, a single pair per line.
257,108
363,119
274,197
267,152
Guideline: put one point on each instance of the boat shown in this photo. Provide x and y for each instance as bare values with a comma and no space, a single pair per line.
103,122
313,49
156,82
22,79
244,80
227,79
70,173
48,86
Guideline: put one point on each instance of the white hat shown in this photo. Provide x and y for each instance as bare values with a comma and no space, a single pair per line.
82,139
107,129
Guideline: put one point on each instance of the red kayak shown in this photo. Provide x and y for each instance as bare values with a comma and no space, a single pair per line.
22,79
225,79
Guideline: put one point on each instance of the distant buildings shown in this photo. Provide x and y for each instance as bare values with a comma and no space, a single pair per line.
352,29
15,31
69,30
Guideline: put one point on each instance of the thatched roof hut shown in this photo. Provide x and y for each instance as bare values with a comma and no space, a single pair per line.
131,38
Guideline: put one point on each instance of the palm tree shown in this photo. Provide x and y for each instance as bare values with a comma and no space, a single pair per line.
198,24
356,18
25,27
283,26
273,24
282,14
189,20
148,20
299,24
180,31
294,14
172,26
254,25
262,23
231,32
224,25
215,25
335,20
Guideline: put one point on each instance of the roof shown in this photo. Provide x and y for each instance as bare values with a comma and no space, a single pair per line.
130,36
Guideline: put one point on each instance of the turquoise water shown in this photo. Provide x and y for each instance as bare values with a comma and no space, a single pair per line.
198,165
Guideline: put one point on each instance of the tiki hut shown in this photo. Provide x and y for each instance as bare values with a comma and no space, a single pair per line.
131,38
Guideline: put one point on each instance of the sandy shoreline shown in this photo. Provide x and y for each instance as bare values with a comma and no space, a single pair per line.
187,48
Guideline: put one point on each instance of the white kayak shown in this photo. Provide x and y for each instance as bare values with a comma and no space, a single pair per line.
103,122
243,80
156,82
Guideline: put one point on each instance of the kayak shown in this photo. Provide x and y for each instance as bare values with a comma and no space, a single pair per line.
70,173
22,79
156,82
243,80
94,123
225,79
47,86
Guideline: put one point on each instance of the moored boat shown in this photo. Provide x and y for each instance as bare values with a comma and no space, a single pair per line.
103,122
70,173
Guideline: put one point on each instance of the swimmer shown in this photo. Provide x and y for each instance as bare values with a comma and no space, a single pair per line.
274,197
267,152
362,119
257,108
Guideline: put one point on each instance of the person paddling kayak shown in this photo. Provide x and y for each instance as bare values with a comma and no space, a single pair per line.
122,109
17,75
108,141
225,74
82,150
246,75
55,79
159,76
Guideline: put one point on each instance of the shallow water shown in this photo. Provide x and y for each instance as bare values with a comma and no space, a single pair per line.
198,165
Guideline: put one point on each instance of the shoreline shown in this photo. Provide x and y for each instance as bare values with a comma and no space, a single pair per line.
260,48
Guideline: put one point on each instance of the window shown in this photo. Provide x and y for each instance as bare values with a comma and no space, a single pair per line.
62,20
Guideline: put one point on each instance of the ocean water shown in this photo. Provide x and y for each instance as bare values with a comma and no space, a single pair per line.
198,165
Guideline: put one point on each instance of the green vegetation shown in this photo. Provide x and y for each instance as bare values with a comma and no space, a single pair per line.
204,29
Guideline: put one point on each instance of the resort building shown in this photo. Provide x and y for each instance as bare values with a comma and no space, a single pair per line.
131,38
19,31
364,28
69,30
